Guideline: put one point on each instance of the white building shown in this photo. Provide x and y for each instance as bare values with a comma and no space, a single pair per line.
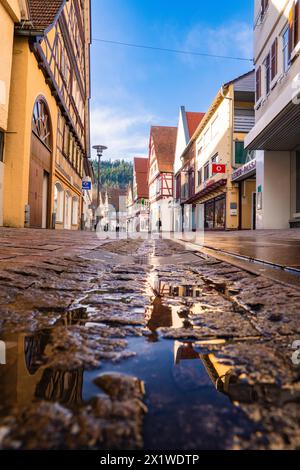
161,174
276,135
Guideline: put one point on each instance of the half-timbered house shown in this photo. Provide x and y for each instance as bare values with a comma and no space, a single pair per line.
140,190
47,143
184,169
160,177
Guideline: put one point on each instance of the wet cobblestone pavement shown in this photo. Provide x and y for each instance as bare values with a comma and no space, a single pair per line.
142,344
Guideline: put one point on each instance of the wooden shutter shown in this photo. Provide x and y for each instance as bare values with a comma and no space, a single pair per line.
274,50
258,83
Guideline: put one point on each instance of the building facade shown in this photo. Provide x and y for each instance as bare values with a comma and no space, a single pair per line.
275,136
219,152
184,170
160,177
47,134
138,210
11,12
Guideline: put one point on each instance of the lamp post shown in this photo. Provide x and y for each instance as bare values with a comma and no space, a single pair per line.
100,149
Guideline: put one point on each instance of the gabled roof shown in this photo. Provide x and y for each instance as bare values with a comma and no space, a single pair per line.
193,121
141,174
164,140
42,15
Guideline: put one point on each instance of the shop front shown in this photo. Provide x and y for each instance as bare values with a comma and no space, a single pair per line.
215,213
245,177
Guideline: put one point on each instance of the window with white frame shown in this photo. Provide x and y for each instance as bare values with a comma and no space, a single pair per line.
285,49
206,172
215,159
59,203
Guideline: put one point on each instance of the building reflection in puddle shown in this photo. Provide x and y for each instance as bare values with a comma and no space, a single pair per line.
189,372
159,315
24,376
163,288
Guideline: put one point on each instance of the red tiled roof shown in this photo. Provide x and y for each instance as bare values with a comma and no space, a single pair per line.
42,14
193,121
164,139
141,172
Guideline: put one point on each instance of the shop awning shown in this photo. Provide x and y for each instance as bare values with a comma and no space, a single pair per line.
282,133
209,189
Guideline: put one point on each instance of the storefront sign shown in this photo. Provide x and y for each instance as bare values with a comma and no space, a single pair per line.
87,184
218,169
244,171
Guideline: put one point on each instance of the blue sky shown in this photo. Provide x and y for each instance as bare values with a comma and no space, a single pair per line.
133,89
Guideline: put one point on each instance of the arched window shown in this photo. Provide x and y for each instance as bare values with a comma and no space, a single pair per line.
59,203
41,122
75,208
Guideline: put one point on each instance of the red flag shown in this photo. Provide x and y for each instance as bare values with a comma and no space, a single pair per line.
218,169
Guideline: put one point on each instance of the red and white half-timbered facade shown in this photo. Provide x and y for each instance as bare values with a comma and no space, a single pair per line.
161,161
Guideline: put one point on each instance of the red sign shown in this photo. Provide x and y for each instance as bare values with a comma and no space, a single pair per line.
218,169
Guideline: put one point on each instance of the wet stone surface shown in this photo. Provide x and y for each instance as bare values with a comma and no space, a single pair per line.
117,345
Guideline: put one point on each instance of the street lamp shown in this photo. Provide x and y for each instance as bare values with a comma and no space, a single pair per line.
100,149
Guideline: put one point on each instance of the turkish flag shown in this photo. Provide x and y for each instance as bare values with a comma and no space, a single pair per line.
218,169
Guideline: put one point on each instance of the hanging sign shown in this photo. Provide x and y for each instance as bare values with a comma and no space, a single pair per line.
87,184
217,168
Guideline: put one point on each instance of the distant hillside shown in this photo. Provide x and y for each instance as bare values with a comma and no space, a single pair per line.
114,174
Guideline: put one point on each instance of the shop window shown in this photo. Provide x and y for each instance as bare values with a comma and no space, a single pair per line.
215,214
209,215
240,153
220,211
1,146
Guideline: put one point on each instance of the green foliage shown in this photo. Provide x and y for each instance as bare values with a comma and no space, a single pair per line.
114,174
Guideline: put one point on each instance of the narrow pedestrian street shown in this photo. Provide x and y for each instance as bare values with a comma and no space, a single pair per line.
142,344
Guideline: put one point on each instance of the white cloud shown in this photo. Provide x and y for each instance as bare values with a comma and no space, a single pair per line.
126,134
233,39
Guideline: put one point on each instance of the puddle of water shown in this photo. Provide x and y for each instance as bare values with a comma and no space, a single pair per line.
181,395
191,395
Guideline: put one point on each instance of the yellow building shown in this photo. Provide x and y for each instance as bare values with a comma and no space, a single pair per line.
219,151
11,12
47,133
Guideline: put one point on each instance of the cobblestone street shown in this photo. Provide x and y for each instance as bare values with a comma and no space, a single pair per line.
131,344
